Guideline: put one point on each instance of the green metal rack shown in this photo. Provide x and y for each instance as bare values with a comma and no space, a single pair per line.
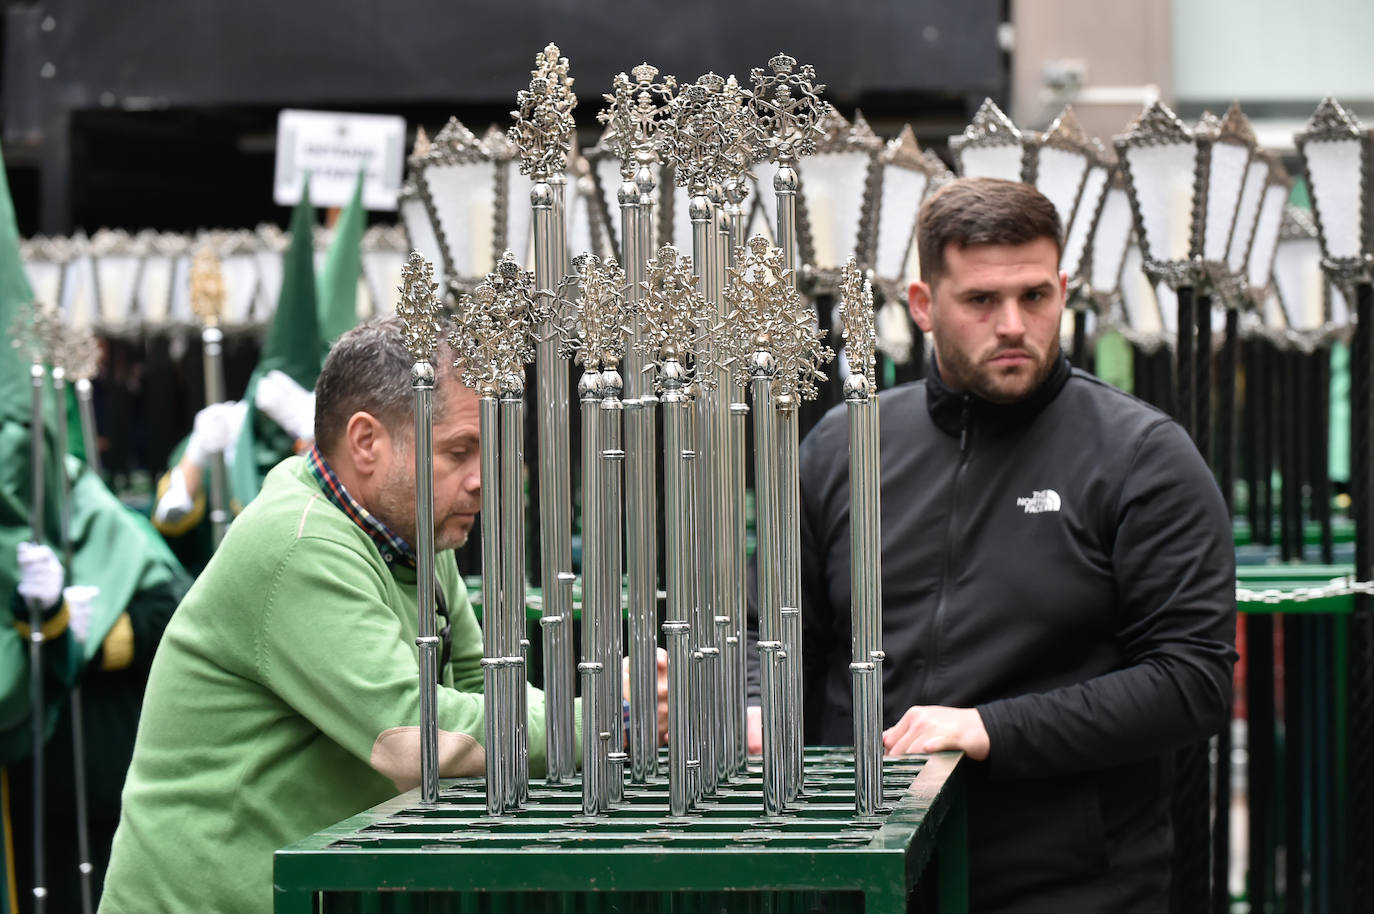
405,858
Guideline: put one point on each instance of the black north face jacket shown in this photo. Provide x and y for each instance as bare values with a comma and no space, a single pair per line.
1064,564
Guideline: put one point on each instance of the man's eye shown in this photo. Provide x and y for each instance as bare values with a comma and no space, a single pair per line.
1035,295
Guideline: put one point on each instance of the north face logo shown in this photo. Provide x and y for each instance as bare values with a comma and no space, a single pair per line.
1039,501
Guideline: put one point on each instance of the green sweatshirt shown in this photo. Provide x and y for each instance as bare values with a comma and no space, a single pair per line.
285,698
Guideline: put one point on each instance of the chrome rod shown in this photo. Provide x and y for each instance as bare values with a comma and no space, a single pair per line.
90,437
677,633
212,339
422,383
612,458
511,621
489,419
36,639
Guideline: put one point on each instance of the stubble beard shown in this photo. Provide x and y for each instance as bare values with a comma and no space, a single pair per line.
997,385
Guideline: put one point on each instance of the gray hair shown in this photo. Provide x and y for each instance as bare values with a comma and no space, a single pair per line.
368,370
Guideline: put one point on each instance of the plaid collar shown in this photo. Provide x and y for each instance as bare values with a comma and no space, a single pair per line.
393,548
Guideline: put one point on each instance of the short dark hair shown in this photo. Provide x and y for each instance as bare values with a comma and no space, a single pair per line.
982,211
368,370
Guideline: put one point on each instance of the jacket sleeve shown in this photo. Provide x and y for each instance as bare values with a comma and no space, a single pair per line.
133,639
1175,571
331,646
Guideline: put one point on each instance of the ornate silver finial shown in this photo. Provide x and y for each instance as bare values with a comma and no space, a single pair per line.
602,315
544,123
856,315
903,151
787,108
1065,132
674,313
989,127
635,113
455,144
81,353
771,315
418,308
494,328
1154,126
207,286
33,330
706,137
1331,121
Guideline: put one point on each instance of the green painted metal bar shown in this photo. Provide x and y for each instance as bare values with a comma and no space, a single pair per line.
549,858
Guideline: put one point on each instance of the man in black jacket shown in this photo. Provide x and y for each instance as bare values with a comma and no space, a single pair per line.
1058,577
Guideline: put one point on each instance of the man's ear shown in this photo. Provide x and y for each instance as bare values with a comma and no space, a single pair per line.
365,438
918,301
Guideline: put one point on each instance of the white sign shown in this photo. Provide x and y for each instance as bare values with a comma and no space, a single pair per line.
332,147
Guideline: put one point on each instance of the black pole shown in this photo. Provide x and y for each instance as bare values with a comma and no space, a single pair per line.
1080,339
1225,453
1262,765
1186,368
1251,438
1202,378
1360,707
1265,382
1321,457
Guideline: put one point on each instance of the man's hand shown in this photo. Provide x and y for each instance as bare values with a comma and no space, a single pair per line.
215,430
661,658
287,403
753,729
932,728
80,607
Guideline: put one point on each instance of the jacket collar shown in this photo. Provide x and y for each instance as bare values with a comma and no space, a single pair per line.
947,406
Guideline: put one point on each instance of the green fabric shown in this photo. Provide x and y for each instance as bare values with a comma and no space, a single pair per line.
15,292
114,549
293,346
337,291
1115,361
1338,454
291,655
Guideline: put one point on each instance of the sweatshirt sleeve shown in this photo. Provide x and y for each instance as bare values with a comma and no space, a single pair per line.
1175,570
331,646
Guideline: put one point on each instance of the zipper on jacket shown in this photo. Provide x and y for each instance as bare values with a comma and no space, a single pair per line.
933,654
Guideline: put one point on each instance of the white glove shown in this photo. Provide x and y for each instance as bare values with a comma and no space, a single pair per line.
80,600
215,431
40,575
287,403
177,501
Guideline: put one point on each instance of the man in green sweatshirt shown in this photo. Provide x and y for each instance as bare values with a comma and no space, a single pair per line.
285,696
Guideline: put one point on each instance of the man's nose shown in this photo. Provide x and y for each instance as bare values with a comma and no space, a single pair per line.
1009,322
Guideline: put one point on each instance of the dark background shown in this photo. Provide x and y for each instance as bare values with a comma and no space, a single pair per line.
163,114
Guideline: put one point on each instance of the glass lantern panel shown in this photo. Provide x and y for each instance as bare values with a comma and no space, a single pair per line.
78,293
1138,303
832,190
240,273
382,270
1299,282
1163,180
577,208
1002,161
154,289
464,197
519,217
1226,177
1246,213
898,207
179,300
1110,240
45,279
1274,318
1266,235
420,235
269,283
1338,308
1083,216
1060,177
117,276
608,181
1334,167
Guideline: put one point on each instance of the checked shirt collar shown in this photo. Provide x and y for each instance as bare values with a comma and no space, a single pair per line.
393,548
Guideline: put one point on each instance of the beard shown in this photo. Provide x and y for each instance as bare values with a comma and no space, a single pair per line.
395,507
997,384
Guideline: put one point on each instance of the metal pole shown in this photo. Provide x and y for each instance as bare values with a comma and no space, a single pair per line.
677,633
593,667
511,618
1202,391
36,639
1185,398
64,513
90,439
422,383
213,341
865,598
612,457
768,540
641,522
489,418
